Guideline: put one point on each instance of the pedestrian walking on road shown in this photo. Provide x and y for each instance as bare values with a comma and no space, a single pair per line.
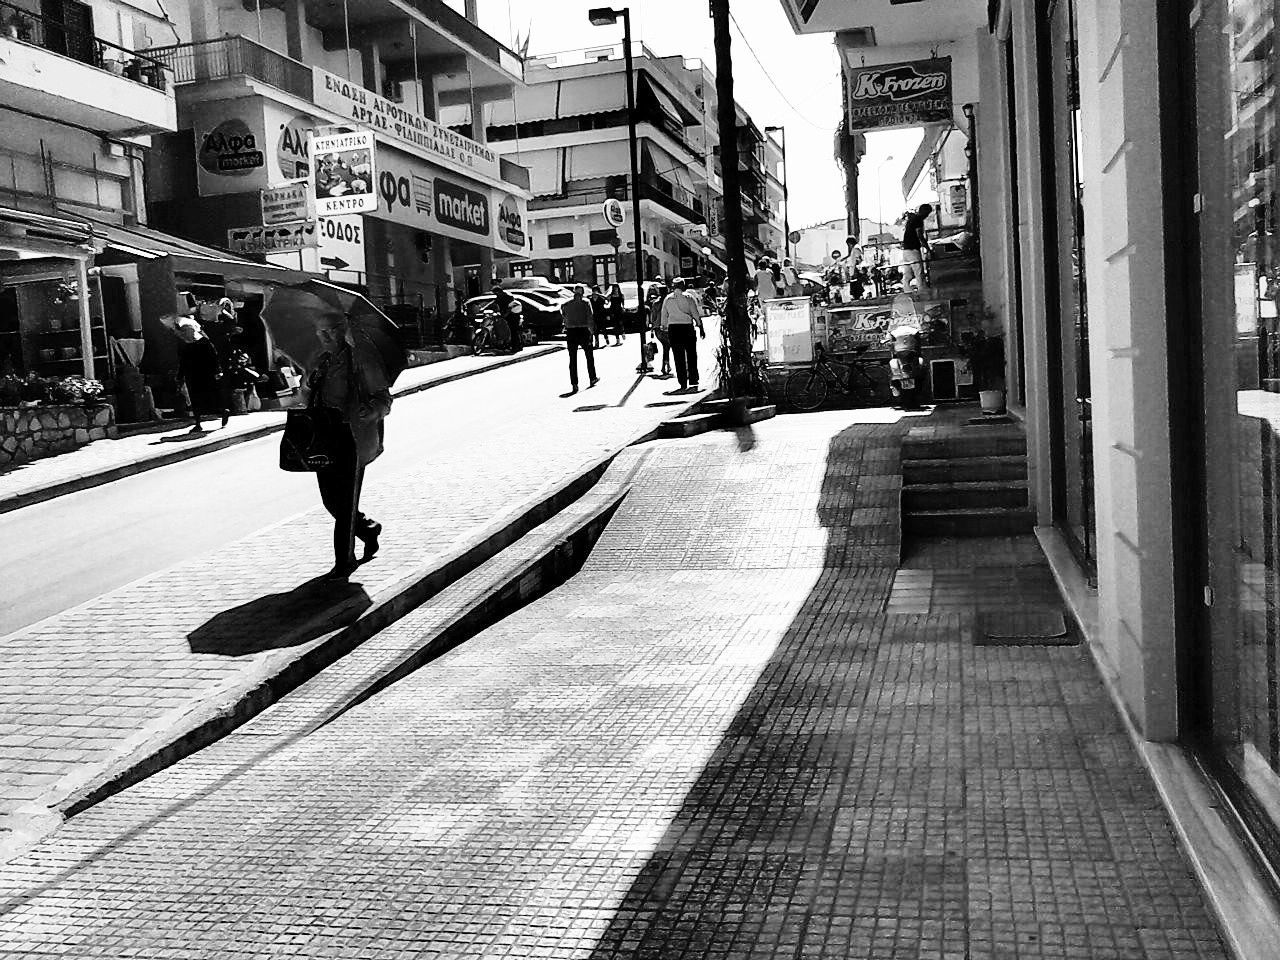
682,313
766,287
791,280
200,368
659,328
337,384
617,314
579,328
599,317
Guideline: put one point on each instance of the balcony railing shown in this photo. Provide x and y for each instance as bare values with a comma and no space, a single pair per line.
235,57
26,26
652,187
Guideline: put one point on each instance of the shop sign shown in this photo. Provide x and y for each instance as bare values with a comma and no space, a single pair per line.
285,204
865,326
272,238
615,214
788,337
904,94
958,195
342,176
460,208
228,145
230,149
404,193
342,244
404,128
292,155
511,214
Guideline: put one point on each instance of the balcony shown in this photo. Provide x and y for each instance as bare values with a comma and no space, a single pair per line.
589,193
49,68
229,57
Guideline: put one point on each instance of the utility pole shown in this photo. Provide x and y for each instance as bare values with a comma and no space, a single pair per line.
737,327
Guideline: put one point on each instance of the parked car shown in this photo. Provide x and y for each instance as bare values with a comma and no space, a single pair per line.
536,313
539,285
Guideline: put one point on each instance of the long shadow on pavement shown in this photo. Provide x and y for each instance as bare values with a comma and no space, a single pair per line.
889,790
298,616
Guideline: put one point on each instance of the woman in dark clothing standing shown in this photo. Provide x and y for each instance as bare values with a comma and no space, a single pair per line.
338,385
616,304
599,315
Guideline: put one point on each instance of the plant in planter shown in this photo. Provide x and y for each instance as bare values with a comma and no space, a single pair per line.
985,353
10,390
35,389
76,390
744,382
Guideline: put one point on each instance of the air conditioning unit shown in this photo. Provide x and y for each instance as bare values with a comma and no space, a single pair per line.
393,90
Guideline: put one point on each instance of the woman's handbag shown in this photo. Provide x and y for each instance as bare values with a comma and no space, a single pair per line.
311,436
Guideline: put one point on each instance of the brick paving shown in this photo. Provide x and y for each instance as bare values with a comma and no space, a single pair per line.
715,741
89,691
140,450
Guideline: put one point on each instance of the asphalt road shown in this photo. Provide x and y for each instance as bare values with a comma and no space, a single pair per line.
71,549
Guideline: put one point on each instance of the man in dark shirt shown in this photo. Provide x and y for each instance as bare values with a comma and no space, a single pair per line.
915,246
506,304
579,325
599,313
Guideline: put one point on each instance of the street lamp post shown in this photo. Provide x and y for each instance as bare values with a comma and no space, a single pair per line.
604,16
786,198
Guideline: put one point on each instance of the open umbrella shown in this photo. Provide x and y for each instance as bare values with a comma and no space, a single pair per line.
295,315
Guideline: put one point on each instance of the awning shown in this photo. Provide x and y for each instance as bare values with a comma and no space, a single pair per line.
26,234
142,243
583,95
588,161
681,117
534,102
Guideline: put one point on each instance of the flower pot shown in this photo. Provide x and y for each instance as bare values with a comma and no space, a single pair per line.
992,401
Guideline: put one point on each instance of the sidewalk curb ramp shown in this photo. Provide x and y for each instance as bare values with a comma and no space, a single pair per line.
88,481
201,724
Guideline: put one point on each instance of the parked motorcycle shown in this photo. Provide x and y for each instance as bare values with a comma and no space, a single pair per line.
489,331
906,365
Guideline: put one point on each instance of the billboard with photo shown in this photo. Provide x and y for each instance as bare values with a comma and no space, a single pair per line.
343,178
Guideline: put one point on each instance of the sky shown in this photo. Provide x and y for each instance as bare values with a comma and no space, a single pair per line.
803,95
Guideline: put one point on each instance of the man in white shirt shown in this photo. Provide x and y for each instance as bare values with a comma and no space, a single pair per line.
681,313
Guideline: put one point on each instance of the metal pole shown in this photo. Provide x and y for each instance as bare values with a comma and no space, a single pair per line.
635,184
346,25
786,194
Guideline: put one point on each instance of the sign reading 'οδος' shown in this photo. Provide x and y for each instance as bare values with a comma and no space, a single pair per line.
899,94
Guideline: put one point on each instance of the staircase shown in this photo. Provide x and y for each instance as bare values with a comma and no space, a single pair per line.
963,480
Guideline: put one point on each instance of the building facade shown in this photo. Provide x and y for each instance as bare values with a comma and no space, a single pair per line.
1126,204
568,125
79,103
254,85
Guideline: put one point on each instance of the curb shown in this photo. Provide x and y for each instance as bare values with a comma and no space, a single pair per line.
88,481
214,719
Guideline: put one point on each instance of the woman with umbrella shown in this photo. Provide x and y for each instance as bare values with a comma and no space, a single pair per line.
352,353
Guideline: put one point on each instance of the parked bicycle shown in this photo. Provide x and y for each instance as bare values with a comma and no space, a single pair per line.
808,389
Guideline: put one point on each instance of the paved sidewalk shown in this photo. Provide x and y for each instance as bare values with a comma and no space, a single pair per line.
107,460
717,741
90,691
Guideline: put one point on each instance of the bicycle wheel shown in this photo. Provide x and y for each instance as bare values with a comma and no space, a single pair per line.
806,390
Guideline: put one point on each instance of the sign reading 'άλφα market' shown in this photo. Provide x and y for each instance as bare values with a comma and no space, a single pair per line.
899,95
404,128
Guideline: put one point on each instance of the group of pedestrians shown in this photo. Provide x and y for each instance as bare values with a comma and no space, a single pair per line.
775,279
212,363
674,317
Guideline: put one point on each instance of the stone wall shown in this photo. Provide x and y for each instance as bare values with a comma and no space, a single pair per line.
29,433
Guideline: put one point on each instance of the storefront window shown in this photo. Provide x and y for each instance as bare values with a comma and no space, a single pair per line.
1236,110
606,270
562,271
1071,400
522,269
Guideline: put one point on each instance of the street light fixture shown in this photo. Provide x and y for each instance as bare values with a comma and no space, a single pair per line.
603,17
786,199
880,190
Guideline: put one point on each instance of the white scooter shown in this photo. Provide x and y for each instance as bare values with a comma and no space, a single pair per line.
906,366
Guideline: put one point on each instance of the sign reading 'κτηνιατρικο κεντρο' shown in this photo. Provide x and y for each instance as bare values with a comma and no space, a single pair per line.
899,94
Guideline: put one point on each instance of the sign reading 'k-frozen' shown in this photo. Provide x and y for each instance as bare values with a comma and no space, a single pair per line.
899,95
404,128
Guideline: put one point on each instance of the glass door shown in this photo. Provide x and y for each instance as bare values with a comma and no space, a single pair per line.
1073,480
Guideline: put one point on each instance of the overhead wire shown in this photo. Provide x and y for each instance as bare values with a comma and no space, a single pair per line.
768,76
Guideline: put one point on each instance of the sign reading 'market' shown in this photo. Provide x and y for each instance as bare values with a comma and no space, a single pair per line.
899,95
405,128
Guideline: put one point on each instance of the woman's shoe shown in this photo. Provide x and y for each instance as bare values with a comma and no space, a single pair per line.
369,537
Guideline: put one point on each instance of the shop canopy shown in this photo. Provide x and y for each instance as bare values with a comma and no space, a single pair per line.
134,243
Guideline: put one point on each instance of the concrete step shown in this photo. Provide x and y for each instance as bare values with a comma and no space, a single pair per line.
924,497
976,442
970,522
691,425
965,469
756,414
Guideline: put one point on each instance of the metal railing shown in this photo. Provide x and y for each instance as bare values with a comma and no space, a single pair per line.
235,56
27,26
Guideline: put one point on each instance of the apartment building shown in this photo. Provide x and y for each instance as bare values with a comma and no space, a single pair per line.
254,84
79,101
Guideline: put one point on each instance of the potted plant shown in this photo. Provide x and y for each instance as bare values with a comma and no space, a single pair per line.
985,353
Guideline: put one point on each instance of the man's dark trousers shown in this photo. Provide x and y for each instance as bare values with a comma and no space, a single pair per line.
580,338
684,344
